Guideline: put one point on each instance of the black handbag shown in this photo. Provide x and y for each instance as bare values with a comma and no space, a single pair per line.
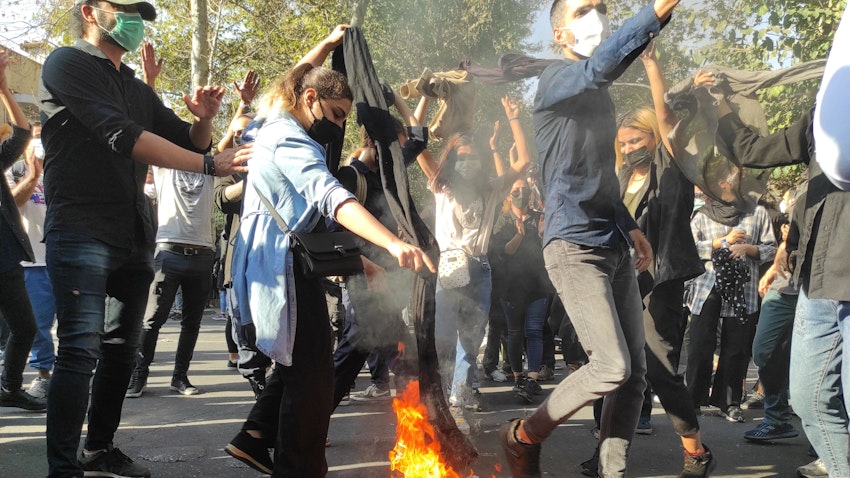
321,254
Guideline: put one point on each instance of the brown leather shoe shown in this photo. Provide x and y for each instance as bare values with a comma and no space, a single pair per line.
523,460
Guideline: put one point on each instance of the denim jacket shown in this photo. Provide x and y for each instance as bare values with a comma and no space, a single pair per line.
289,168
575,127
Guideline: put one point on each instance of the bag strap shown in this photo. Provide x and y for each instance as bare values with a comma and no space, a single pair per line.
279,220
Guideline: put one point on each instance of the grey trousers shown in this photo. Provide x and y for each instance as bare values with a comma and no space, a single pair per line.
600,293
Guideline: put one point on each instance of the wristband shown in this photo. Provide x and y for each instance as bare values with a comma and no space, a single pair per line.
513,118
209,164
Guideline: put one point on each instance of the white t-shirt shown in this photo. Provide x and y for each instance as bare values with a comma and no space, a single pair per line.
184,207
468,227
32,213
832,113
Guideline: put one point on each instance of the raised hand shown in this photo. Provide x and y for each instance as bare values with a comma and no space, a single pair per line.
649,53
511,108
4,62
494,140
151,67
249,88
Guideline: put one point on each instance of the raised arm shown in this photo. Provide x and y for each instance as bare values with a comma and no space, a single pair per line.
658,84
523,154
13,109
320,52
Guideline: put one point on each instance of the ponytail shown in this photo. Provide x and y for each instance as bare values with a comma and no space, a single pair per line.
286,92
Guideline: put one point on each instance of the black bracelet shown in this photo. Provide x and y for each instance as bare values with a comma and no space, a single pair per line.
209,164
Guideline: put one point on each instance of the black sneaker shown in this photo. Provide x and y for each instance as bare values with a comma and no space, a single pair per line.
138,381
590,467
523,390
767,432
251,451
181,385
21,399
112,462
698,466
535,387
523,459
258,384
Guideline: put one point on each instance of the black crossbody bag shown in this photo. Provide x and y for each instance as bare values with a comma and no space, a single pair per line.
321,254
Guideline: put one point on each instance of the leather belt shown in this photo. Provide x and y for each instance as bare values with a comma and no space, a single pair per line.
186,251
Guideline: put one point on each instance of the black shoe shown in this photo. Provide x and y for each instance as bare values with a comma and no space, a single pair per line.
21,399
112,462
523,460
258,385
698,466
251,451
590,467
181,385
523,390
232,363
138,381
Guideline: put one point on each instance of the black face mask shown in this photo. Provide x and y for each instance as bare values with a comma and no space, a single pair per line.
520,198
325,131
639,158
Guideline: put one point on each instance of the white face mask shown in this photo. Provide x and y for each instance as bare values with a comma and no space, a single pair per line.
589,31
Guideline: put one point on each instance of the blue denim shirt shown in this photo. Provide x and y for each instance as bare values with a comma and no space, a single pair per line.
575,129
289,169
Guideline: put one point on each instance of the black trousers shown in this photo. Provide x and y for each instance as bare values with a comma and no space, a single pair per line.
295,406
664,322
736,340
16,308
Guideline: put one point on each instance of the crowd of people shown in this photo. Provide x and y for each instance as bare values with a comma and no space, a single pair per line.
607,241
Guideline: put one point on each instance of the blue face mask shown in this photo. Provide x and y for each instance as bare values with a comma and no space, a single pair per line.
129,30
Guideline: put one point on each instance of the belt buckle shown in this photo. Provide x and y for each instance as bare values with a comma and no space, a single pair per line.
189,251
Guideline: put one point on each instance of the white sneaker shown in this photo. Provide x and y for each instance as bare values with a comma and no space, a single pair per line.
497,376
460,420
371,394
38,387
813,470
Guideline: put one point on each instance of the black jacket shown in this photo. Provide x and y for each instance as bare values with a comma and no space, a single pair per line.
821,265
10,150
664,216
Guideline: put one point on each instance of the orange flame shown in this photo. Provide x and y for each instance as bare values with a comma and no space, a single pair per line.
417,450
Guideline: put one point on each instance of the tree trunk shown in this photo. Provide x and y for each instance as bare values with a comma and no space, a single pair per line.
200,60
359,10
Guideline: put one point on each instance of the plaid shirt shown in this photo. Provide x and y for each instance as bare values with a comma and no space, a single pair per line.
759,232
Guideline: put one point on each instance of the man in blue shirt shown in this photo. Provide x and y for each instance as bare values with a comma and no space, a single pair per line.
588,231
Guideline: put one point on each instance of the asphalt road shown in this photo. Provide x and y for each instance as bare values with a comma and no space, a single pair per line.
181,437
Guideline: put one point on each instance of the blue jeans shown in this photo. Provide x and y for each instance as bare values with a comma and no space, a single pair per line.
819,375
461,318
100,292
771,354
600,294
40,291
525,331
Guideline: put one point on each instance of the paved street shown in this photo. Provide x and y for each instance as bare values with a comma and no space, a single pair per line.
182,437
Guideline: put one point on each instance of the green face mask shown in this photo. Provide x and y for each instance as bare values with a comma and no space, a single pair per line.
129,30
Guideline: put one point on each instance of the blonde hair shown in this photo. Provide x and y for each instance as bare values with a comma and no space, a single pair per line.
641,119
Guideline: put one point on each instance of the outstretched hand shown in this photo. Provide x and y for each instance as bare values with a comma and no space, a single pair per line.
410,256
232,160
703,78
206,101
